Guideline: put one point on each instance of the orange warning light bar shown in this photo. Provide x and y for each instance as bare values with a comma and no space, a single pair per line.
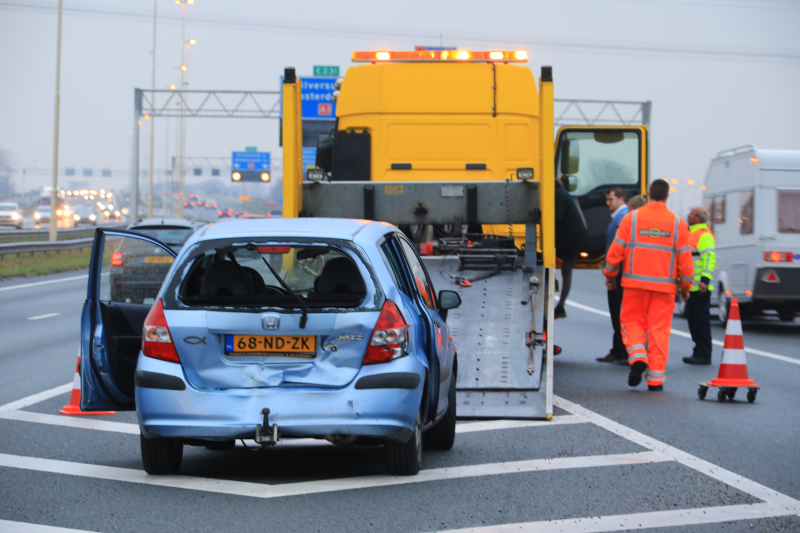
455,56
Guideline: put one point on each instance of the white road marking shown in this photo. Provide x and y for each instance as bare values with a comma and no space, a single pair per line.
22,286
627,522
259,490
688,336
48,315
492,425
695,463
36,398
71,421
7,526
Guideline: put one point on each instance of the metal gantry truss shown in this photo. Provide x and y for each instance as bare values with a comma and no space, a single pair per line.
207,104
601,113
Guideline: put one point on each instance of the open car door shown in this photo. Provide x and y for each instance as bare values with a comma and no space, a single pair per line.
125,274
590,161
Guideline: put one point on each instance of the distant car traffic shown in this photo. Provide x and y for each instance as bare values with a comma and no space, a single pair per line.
173,232
265,330
10,215
42,214
84,214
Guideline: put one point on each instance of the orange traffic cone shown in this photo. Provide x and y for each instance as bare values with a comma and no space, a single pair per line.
74,406
733,366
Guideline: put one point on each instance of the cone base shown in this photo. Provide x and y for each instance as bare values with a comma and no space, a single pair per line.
729,382
75,410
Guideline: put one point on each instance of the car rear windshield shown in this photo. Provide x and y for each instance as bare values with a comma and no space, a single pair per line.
169,235
246,275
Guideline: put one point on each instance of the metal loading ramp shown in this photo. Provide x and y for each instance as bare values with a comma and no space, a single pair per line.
498,375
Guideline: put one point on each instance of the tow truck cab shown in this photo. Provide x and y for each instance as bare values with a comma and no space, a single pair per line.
471,116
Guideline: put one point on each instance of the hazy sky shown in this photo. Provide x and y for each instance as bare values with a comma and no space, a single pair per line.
720,73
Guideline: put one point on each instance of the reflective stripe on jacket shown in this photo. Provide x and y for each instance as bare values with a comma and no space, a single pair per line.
702,242
652,250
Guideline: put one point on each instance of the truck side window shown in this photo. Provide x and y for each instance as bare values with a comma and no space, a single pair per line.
788,211
600,159
719,209
746,212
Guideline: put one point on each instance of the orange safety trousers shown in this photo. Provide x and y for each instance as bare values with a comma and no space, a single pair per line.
646,320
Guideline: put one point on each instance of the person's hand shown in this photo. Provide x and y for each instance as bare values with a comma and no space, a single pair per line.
685,296
611,283
703,287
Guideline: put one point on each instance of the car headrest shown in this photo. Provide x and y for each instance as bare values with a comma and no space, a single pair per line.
340,275
224,278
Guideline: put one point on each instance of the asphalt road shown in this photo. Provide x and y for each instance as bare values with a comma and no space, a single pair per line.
613,458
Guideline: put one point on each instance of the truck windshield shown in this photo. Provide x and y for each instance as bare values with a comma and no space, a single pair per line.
788,211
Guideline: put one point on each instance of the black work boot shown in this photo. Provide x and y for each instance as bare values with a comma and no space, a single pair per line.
656,387
694,360
637,369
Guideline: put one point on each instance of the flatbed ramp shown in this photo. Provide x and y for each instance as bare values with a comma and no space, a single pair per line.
498,375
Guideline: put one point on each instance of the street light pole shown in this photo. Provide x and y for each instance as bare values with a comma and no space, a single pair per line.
54,192
182,126
152,119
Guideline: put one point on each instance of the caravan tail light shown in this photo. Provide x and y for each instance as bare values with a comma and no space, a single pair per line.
778,257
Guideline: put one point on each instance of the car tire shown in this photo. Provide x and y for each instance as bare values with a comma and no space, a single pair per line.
404,459
161,457
443,435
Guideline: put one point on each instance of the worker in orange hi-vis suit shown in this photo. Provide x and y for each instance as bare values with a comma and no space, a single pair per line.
652,250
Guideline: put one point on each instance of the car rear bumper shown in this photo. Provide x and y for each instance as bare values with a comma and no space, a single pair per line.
301,411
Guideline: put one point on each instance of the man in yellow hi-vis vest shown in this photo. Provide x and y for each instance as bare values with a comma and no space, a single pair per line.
698,306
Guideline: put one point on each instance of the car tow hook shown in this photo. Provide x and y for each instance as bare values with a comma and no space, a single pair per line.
266,438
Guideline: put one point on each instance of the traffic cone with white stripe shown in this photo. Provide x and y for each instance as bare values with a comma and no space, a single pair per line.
733,366
74,406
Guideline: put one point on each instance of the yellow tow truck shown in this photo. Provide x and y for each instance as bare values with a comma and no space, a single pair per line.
454,140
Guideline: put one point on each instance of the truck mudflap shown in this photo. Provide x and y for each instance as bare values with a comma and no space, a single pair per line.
497,331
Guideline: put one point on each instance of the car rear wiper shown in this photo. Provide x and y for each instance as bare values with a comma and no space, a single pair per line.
303,305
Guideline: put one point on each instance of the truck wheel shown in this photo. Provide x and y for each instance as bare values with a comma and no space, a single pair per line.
404,459
161,457
443,435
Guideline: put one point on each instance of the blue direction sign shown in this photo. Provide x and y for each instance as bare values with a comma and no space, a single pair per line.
317,98
309,158
250,161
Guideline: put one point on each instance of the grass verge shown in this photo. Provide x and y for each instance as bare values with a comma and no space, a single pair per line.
44,263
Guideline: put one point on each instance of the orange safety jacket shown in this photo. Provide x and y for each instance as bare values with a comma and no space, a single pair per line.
650,243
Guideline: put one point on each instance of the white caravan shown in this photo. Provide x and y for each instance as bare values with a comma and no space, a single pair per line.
753,197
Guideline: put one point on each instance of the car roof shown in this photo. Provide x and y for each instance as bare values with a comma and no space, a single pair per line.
333,228
155,222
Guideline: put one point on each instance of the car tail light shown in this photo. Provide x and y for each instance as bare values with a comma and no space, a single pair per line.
116,259
156,339
389,338
778,257
219,213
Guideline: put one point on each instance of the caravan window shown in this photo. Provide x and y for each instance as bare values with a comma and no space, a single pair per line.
746,212
708,203
719,209
788,211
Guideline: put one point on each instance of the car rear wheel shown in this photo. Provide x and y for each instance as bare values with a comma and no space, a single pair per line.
161,457
443,435
404,459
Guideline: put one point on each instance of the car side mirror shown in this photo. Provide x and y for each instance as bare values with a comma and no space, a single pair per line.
570,157
572,183
449,299
325,147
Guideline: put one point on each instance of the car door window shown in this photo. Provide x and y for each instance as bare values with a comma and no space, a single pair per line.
393,265
424,287
132,270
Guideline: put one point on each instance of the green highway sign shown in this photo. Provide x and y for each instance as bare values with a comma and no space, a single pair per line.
321,70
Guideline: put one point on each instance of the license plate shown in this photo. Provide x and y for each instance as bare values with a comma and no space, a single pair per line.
286,345
157,259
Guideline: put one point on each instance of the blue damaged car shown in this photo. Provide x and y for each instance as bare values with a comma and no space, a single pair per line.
269,329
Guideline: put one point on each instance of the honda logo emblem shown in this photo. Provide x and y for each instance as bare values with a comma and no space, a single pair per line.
270,321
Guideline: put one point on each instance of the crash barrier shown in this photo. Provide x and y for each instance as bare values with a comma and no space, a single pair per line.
44,234
44,246
733,365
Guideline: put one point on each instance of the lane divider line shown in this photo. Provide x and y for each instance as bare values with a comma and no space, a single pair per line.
260,490
36,398
695,463
25,527
680,333
23,285
48,315
628,522
492,425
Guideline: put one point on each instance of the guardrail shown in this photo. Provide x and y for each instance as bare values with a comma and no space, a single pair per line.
44,234
44,246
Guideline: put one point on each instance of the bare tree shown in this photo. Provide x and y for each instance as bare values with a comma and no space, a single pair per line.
6,183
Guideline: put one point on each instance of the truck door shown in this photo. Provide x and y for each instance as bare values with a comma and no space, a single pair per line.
125,274
590,161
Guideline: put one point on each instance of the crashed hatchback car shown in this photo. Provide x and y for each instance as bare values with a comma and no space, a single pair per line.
272,329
